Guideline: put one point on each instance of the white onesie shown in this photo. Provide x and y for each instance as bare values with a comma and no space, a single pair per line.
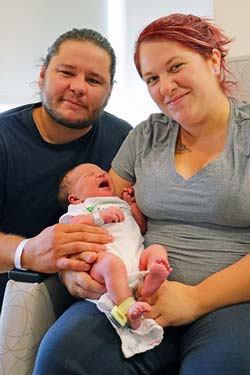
128,240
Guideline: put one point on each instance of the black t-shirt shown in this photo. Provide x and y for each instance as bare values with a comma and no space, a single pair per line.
30,167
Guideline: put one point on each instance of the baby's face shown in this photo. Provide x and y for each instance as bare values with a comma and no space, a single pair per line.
88,180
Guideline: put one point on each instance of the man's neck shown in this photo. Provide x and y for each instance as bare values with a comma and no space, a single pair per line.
52,132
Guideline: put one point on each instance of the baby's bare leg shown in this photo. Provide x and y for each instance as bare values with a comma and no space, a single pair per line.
154,259
111,271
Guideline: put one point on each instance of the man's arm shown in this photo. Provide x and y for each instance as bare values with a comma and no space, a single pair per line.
8,245
49,251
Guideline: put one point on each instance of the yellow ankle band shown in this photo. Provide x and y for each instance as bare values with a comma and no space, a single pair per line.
118,313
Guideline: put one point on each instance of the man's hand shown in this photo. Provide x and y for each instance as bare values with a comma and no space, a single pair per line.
50,250
81,285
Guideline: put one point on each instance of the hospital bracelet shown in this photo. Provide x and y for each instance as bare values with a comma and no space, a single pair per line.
97,219
18,255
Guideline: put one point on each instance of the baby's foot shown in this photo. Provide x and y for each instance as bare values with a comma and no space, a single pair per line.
135,313
158,273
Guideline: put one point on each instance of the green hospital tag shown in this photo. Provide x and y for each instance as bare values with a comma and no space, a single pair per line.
91,208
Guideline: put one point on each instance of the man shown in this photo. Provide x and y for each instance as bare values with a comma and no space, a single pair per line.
40,142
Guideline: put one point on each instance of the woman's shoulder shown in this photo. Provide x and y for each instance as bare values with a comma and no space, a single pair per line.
155,118
242,113
242,126
156,123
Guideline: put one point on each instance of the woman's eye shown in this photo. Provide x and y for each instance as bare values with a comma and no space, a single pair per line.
175,67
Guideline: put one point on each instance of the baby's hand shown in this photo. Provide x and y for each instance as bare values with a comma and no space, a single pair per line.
128,195
79,219
112,215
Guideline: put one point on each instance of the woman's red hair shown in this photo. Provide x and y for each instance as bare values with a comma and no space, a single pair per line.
198,34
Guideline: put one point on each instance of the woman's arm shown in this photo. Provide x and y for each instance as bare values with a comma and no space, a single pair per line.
177,304
139,217
226,287
119,182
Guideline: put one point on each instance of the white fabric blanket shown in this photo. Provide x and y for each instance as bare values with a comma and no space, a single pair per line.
146,337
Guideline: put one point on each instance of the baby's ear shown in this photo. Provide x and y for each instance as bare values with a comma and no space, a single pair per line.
73,200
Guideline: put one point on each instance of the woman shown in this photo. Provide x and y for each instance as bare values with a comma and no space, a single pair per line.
191,170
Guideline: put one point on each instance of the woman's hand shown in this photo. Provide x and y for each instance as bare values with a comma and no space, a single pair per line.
176,304
173,304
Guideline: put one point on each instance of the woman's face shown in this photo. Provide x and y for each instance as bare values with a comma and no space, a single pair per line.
182,83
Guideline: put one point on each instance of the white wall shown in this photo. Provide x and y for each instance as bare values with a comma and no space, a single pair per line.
233,17
130,99
29,27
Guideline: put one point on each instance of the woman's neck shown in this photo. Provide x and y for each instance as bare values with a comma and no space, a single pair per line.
210,135
216,122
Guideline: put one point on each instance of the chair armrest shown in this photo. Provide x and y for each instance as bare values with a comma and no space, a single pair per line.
27,276
29,309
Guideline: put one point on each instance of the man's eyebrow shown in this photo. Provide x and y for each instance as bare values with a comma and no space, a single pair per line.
67,66
72,67
95,74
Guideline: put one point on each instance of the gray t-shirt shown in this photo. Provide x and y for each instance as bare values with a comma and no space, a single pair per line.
204,221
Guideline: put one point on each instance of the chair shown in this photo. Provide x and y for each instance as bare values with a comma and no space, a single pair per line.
240,66
32,302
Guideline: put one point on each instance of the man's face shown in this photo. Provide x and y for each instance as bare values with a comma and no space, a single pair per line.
76,85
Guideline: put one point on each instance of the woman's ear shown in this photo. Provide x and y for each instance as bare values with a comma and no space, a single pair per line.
74,200
215,60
